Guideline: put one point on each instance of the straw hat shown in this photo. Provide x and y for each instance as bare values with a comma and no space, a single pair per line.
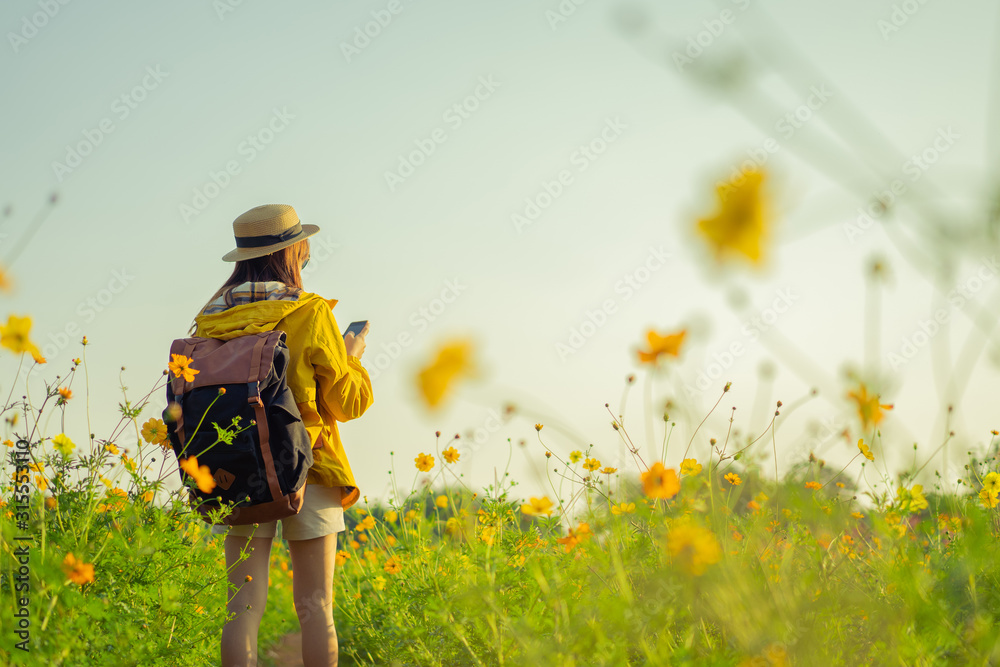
265,229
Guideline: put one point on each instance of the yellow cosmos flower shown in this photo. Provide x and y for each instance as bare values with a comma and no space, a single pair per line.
368,523
77,571
575,456
391,516
450,455
452,362
690,467
424,462
65,393
15,336
869,409
392,566
669,345
693,547
991,482
608,470
379,583
660,482
201,474
128,463
63,444
814,486
341,558
911,499
111,447
441,501
865,449
536,506
623,508
180,366
591,464
154,431
740,224
857,515
733,479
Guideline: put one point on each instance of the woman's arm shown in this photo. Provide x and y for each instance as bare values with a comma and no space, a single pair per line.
342,384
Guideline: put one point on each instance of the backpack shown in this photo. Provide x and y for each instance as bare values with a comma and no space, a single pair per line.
261,470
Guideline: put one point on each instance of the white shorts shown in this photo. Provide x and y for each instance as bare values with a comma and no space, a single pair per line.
321,514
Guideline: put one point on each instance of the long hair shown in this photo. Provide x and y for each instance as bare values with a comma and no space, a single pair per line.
284,266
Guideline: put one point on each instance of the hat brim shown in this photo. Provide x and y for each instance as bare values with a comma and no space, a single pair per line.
240,254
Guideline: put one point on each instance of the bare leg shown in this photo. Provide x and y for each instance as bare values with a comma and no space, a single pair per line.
239,636
312,588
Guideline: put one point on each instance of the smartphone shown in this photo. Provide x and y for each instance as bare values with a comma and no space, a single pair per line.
356,327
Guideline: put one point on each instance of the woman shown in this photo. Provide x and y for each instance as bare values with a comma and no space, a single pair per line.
330,385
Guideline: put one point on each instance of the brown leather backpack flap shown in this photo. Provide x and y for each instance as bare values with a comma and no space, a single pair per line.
240,360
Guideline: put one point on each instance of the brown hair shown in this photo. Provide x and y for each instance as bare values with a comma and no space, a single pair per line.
284,266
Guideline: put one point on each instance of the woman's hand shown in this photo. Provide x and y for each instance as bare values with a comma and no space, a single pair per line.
356,344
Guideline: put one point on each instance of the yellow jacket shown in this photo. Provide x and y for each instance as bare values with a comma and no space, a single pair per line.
328,385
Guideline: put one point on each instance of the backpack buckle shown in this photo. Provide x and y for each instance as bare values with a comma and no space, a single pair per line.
253,396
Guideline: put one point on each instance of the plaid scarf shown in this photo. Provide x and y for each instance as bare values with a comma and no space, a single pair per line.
250,293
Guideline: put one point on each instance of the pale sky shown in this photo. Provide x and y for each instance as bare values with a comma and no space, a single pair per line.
189,114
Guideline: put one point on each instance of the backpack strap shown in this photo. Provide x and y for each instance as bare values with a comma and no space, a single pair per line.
258,368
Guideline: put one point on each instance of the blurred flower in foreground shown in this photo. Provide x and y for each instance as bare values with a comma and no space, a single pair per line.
869,409
739,225
623,508
14,336
692,547
660,345
660,482
453,361
78,572
536,506
201,474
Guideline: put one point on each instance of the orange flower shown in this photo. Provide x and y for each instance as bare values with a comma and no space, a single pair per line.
77,571
450,455
869,408
201,474
813,485
367,524
660,482
341,558
591,464
65,393
181,365
660,345
733,479
392,566
154,432
581,533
